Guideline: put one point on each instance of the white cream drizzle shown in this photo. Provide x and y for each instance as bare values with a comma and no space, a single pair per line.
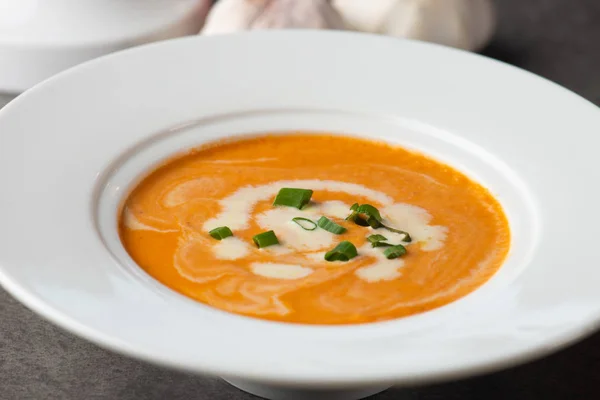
414,220
237,210
230,248
280,271
334,208
290,234
131,222
382,269
182,193
237,207
319,258
277,250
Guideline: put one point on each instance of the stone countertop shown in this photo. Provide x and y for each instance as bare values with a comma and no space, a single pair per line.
558,39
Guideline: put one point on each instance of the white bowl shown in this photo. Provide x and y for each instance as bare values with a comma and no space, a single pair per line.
39,38
71,147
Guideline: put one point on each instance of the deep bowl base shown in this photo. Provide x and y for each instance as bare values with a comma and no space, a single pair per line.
289,393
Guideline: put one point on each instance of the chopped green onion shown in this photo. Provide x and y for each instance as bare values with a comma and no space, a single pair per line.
373,219
376,238
305,223
291,197
352,216
360,221
394,252
330,226
373,223
342,252
265,239
221,232
378,241
369,211
381,244
407,237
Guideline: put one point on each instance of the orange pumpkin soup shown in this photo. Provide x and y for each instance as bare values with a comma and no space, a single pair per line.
419,235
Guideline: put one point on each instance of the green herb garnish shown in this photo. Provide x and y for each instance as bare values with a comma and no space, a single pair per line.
360,221
376,238
305,223
369,211
220,233
265,239
373,223
368,215
381,244
378,241
365,215
353,214
291,197
342,252
330,226
394,252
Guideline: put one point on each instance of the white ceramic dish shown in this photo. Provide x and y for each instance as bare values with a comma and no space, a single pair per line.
39,38
71,147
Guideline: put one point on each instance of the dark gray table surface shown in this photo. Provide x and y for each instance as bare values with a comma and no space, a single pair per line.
558,39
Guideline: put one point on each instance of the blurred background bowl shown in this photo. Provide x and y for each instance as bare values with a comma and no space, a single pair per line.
39,38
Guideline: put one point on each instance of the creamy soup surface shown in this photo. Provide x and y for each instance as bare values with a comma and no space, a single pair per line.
459,233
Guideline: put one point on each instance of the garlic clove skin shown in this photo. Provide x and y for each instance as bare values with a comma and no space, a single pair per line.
312,14
237,15
481,22
368,16
465,24
228,16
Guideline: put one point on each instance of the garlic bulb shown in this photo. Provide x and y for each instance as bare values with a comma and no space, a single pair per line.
235,15
466,24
